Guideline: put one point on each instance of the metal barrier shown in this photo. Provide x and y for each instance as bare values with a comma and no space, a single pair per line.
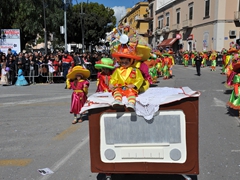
38,71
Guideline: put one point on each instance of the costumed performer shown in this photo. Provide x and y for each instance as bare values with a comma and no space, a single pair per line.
172,62
4,74
106,66
232,59
159,63
193,55
234,100
77,81
166,66
152,69
224,64
143,67
21,81
185,58
213,58
126,80
205,58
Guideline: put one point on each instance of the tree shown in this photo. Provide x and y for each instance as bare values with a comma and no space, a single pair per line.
97,20
27,15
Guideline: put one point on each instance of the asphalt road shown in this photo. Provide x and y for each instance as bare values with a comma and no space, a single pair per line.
36,131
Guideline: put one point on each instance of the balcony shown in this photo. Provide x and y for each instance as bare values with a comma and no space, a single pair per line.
187,23
176,27
158,31
144,17
237,16
166,29
145,33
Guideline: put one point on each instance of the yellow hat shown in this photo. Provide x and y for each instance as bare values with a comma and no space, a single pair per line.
78,70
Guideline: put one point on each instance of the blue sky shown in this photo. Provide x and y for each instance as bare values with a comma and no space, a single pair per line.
119,6
112,3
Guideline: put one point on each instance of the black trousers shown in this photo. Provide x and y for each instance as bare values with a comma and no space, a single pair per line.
198,68
11,77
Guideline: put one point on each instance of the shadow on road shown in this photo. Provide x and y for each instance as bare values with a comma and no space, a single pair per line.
229,91
144,177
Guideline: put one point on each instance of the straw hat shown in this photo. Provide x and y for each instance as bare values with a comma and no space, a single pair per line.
104,63
78,70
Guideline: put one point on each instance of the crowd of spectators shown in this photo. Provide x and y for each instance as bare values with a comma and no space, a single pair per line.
50,67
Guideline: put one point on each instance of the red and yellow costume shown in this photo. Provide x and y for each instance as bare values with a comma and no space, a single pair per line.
103,78
126,80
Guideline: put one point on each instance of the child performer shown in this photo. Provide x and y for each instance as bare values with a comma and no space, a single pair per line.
4,76
76,80
126,80
213,58
21,81
186,58
106,66
234,100
166,66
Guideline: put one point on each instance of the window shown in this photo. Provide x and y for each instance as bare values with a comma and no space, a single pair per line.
167,19
131,21
207,8
151,11
190,11
160,22
178,16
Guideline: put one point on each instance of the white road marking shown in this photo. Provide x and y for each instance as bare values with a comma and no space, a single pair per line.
32,101
219,103
8,104
220,90
62,161
13,95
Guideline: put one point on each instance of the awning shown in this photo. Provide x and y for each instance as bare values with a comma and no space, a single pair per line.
167,42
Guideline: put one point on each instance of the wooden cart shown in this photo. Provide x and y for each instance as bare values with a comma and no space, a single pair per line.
123,143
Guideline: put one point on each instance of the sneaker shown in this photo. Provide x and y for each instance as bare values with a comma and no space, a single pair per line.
130,107
117,104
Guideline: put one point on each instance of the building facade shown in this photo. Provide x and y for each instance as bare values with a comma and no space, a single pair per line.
195,24
138,18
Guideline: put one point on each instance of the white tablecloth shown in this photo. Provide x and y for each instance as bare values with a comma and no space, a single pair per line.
147,103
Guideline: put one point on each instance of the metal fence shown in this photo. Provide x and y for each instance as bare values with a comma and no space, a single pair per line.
38,71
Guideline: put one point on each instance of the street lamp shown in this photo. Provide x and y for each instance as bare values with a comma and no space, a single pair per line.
81,16
45,26
65,23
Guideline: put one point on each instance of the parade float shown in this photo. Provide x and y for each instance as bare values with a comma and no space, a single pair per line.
160,137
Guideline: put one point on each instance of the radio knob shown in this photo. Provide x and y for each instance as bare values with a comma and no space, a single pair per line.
175,154
110,154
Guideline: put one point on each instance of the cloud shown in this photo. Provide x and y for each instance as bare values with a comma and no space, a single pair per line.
119,12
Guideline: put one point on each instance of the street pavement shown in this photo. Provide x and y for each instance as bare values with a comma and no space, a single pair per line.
36,131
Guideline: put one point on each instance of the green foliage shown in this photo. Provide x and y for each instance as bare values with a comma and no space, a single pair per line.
28,16
97,20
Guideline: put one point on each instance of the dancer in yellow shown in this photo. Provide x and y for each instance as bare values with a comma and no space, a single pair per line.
126,80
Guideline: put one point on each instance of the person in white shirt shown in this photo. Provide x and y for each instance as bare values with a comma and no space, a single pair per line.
4,75
50,71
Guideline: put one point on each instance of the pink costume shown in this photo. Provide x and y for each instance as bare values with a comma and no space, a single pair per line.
145,72
79,95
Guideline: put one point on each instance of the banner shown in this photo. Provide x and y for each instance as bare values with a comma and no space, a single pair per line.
10,38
